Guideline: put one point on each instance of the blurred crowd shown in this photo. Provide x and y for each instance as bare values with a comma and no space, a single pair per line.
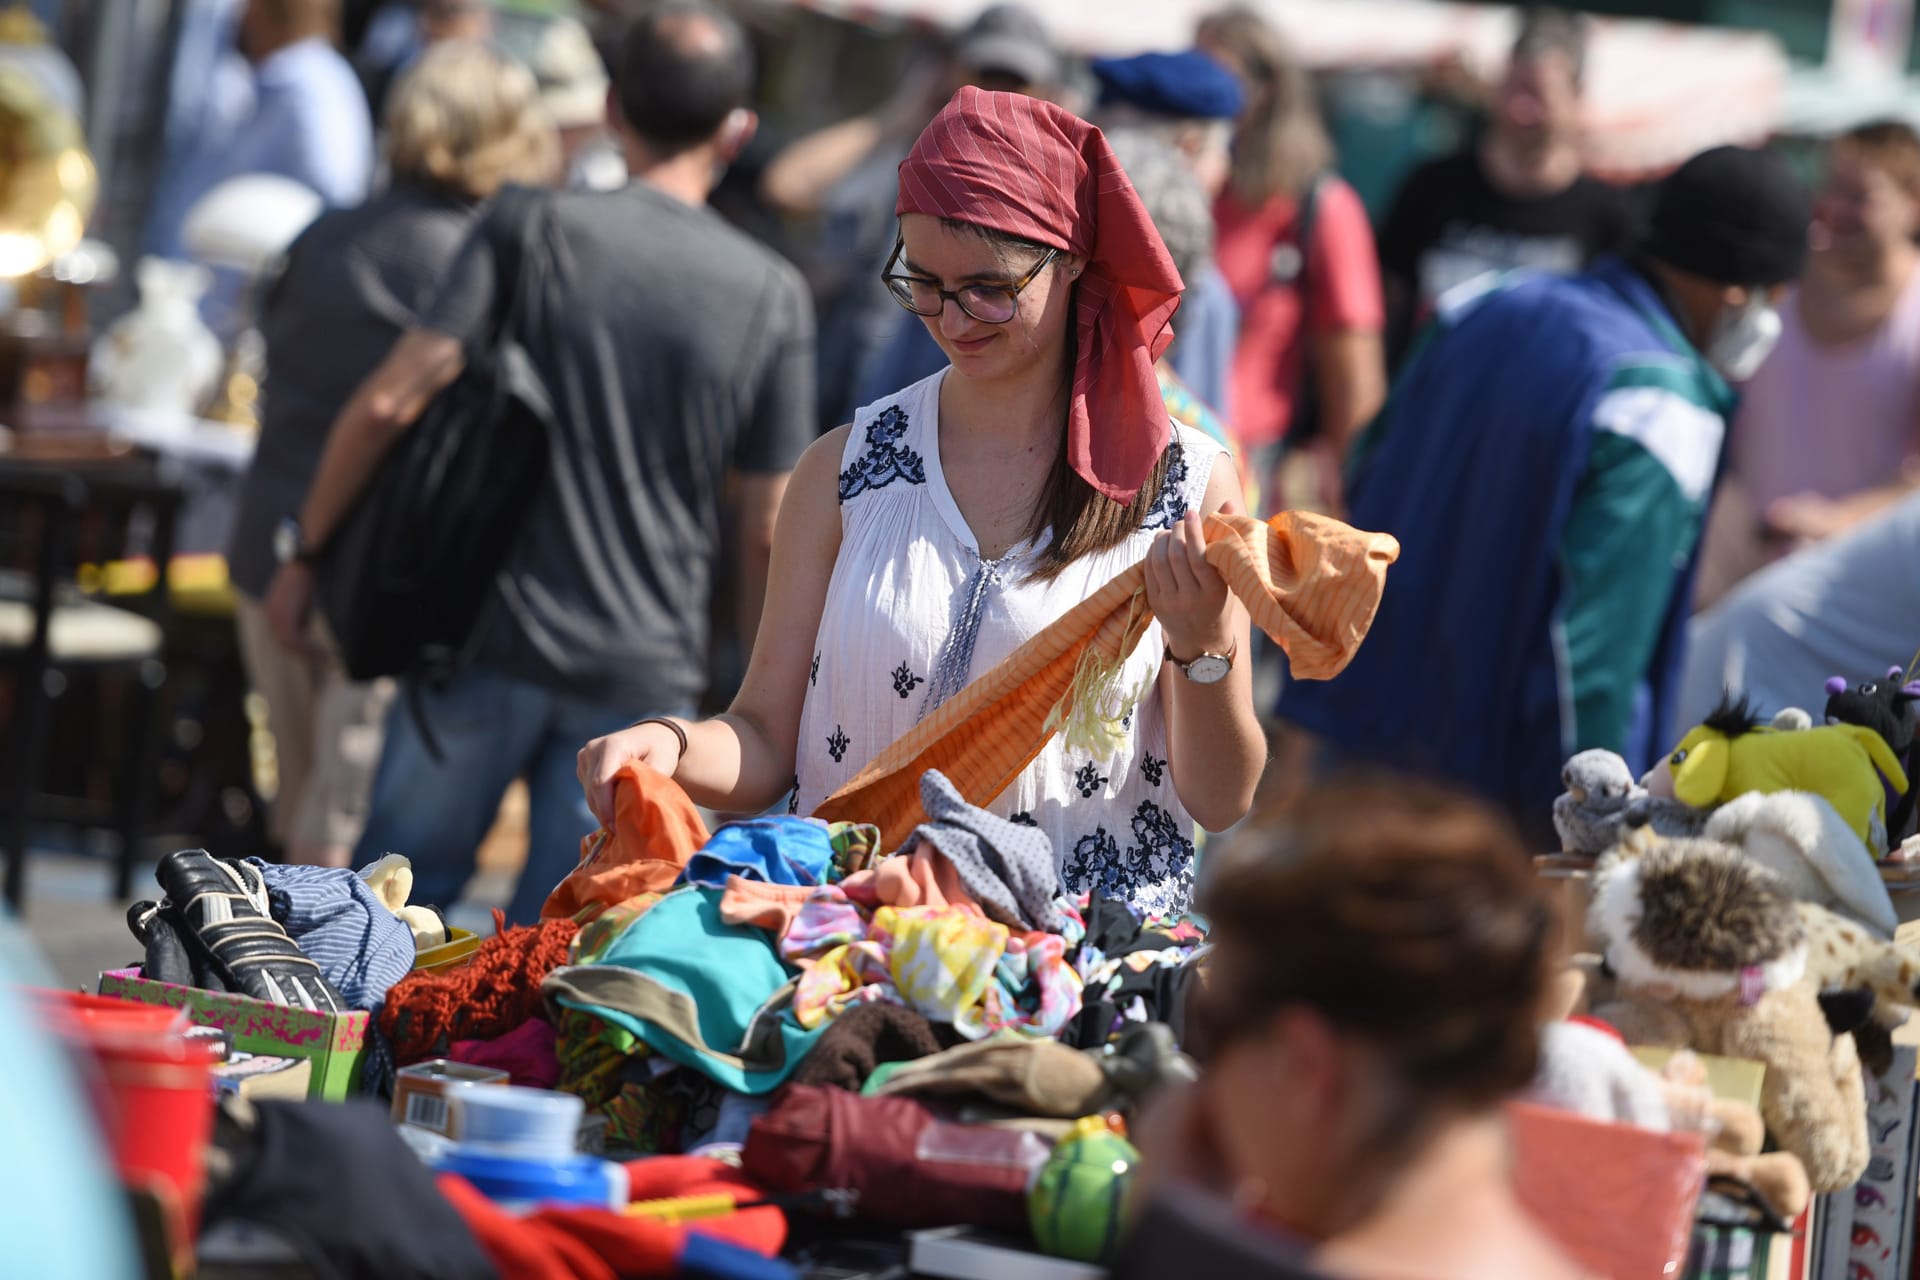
1365,372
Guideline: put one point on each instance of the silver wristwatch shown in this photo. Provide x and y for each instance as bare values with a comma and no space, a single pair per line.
1208,668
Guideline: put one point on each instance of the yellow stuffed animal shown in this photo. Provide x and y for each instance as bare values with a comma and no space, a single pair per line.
1732,754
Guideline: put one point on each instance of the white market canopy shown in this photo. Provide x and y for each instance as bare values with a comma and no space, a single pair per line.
1657,92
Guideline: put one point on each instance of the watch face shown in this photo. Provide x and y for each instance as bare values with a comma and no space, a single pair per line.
286,542
1208,669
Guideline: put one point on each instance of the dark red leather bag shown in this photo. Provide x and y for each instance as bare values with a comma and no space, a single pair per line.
910,1167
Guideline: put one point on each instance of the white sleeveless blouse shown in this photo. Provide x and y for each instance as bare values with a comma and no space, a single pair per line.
913,613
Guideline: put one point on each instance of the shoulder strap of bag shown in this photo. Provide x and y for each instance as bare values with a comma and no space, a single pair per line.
1304,225
512,225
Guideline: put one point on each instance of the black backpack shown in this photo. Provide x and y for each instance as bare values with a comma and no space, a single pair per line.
403,581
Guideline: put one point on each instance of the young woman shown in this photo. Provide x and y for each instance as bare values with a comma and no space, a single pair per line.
1311,315
954,519
1378,975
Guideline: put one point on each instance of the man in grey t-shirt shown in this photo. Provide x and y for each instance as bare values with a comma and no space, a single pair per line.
678,356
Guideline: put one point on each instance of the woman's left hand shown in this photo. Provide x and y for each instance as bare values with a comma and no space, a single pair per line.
1187,594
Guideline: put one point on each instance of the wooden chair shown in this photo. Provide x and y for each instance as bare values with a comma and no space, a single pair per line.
53,519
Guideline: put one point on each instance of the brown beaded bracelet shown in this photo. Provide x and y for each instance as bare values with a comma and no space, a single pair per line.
674,725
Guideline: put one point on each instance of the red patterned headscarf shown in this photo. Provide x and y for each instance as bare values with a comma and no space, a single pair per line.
1028,168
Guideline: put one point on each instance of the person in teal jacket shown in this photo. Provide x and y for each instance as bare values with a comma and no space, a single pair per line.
1545,461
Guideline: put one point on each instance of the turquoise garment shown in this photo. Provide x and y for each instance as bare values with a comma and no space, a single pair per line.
62,1215
699,991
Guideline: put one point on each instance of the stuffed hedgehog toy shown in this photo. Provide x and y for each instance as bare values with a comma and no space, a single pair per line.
1708,952
1886,707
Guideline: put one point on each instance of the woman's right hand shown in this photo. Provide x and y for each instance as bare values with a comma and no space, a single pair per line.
601,760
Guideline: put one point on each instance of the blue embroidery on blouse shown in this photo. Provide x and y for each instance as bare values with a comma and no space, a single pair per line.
1153,875
1154,771
1163,847
1024,818
904,681
1170,505
885,458
1094,865
1088,780
837,744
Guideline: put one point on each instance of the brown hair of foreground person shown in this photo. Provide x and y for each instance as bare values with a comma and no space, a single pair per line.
1379,969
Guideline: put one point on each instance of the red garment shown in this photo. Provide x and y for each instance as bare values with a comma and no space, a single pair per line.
526,1054
557,1243
1032,169
1343,293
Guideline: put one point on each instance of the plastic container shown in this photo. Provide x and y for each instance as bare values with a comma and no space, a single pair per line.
455,951
536,1124
517,1183
153,1096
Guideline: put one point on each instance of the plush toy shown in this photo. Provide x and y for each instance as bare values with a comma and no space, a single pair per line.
1731,753
1792,719
1708,952
1602,803
1886,707
1841,956
1585,1068
391,880
1800,837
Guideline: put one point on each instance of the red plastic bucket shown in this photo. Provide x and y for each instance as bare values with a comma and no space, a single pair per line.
153,1095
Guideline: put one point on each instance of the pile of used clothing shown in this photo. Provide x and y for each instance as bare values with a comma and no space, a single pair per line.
781,1014
784,987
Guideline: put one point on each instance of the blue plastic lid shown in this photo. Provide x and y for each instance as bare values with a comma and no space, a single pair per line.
575,1180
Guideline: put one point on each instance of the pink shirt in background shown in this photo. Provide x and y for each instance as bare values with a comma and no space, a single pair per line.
1342,293
1831,420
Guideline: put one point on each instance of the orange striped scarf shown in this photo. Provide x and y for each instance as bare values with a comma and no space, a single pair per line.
1310,582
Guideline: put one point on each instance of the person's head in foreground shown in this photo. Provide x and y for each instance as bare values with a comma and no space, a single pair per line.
1869,207
1029,257
1378,973
1728,232
467,120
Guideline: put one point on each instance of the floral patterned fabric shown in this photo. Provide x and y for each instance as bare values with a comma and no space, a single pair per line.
950,964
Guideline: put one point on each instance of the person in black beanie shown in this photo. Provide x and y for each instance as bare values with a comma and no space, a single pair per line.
1546,459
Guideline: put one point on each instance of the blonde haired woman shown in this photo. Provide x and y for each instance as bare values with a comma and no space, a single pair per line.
463,123
1296,248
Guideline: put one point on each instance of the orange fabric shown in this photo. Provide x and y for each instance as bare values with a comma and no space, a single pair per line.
759,905
1620,1200
921,878
655,830
1310,582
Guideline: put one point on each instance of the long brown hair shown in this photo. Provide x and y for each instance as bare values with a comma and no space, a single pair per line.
1281,143
1082,520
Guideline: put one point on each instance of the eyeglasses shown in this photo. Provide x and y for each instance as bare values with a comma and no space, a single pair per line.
987,303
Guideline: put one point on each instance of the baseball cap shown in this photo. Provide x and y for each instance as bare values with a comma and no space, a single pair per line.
1010,39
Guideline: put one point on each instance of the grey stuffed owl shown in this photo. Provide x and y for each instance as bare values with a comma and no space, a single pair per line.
1602,803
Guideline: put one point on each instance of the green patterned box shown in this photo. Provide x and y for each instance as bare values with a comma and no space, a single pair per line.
334,1043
